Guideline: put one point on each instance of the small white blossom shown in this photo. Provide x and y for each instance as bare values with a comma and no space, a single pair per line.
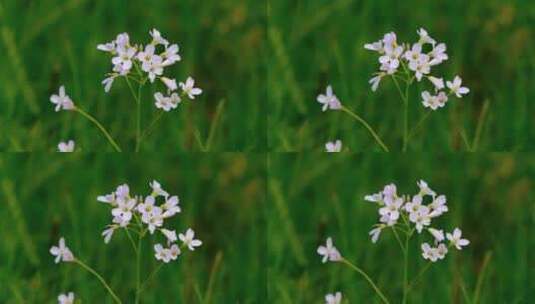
390,212
170,56
430,101
420,218
189,88
123,61
162,254
170,207
170,235
108,233
107,47
333,298
424,188
335,146
374,198
329,100
437,234
437,82
170,83
375,46
62,101
424,37
123,211
438,206
375,233
189,239
157,189
62,252
66,146
457,88
166,103
441,251
108,82
375,82
329,252
157,38
429,253
438,54
456,239
153,219
66,298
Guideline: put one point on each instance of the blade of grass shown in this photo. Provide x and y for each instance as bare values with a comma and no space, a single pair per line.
215,124
480,123
481,277
215,268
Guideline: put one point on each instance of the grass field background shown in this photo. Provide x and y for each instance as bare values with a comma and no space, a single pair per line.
313,196
44,197
316,43
45,44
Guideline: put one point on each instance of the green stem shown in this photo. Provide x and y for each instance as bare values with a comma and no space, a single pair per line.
100,127
367,126
131,240
138,112
361,272
397,238
147,131
138,269
419,275
93,272
149,278
406,119
419,124
405,270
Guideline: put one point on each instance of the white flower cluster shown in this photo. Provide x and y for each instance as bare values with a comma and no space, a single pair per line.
329,100
150,216
66,146
66,298
416,215
335,298
413,59
62,252
148,61
333,146
329,252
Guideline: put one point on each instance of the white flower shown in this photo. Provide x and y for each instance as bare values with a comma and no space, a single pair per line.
66,147
122,192
122,40
157,38
375,233
429,253
153,219
166,103
375,82
424,37
147,206
123,211
189,88
437,82
456,239
375,46
162,254
62,101
424,188
107,47
170,56
108,233
335,146
62,252
438,54
374,198
329,252
390,60
329,100
390,190
170,83
438,206
437,234
66,298
420,218
170,207
174,252
414,205
154,67
107,198
170,235
333,298
390,39
430,101
390,212
157,189
441,251
189,239
414,54
145,57
456,87
421,66
108,82
123,60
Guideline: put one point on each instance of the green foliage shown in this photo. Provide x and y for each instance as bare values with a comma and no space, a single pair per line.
314,196
45,44
316,43
44,197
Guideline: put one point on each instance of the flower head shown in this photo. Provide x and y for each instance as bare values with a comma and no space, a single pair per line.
329,252
62,252
62,101
335,146
329,100
456,239
457,88
66,298
333,298
189,88
189,239
66,146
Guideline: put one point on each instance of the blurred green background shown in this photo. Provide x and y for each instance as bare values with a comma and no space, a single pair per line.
314,196
45,44
44,197
316,43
